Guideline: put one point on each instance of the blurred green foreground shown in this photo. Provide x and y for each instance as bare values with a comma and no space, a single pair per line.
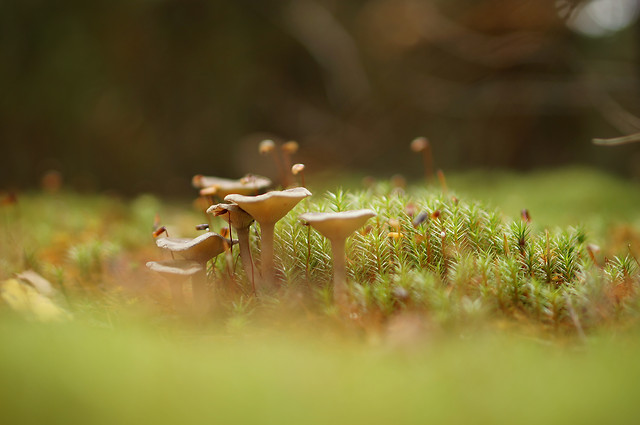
76,373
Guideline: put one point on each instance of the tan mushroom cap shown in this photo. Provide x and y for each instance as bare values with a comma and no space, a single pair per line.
338,225
271,206
175,267
247,185
201,249
240,219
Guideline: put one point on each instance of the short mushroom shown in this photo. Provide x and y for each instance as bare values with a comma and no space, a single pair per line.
176,272
240,220
201,249
267,210
337,226
247,185
298,169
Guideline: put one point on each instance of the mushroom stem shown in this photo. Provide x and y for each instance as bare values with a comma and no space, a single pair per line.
266,255
308,252
200,292
339,270
282,172
443,181
427,158
177,295
302,183
286,167
245,255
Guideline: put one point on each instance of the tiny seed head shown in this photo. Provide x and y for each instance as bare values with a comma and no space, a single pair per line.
368,182
398,181
419,144
297,169
395,223
266,146
290,147
9,199
197,180
411,209
160,230
420,219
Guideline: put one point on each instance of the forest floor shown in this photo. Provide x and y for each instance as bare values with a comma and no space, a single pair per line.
430,335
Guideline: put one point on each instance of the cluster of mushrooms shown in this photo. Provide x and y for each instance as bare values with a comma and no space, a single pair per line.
243,205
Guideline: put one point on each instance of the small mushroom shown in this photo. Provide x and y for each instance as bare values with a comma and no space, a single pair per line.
247,185
176,272
299,169
268,147
337,226
201,249
240,220
267,210
421,145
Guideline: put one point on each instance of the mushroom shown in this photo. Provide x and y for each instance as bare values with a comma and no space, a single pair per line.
298,169
337,226
247,185
268,147
422,145
288,149
176,272
201,249
240,220
267,210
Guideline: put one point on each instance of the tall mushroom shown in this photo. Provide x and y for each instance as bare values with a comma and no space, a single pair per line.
240,220
201,249
176,272
267,210
337,226
422,145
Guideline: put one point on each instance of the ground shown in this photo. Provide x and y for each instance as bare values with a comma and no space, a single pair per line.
452,352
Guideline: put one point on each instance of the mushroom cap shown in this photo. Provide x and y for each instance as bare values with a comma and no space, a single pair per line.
297,169
247,185
175,267
419,144
266,146
240,219
201,249
271,206
338,225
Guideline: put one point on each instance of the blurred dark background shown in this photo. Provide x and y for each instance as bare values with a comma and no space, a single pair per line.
138,95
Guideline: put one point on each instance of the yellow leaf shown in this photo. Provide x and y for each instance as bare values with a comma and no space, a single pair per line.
26,300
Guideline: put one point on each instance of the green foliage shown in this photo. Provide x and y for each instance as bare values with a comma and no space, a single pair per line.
444,257
463,257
